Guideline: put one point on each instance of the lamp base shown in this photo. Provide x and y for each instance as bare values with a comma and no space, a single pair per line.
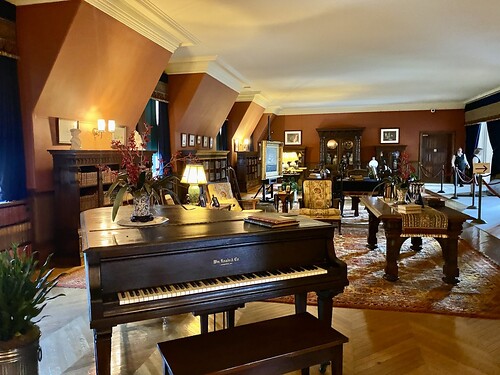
194,194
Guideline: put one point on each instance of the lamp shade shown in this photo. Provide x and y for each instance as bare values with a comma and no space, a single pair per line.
194,174
111,125
101,125
289,157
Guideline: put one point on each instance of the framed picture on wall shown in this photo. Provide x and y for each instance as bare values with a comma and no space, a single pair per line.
120,134
184,139
64,127
389,135
293,137
198,139
211,143
191,140
205,141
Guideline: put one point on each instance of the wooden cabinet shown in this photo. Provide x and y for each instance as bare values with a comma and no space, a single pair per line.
248,170
79,185
340,148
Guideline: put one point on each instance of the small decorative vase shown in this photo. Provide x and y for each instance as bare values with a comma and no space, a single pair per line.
142,208
401,195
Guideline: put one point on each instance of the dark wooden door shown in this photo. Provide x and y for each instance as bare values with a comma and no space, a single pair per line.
436,151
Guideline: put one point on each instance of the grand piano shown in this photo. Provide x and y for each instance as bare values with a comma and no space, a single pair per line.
200,260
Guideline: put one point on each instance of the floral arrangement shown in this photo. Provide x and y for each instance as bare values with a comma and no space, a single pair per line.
136,176
406,171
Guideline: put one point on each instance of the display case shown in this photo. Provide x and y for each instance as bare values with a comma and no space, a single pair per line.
248,170
340,149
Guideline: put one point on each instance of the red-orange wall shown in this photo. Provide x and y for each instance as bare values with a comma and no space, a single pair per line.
410,123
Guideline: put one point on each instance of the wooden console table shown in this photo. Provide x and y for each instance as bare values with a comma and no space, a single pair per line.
379,210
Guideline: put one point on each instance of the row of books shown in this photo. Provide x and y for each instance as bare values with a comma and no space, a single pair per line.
12,213
272,221
17,233
87,178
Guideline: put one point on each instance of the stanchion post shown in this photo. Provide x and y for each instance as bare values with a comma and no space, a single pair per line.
442,180
473,206
455,196
480,188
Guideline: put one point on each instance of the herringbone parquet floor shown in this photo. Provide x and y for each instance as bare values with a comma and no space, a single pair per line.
380,343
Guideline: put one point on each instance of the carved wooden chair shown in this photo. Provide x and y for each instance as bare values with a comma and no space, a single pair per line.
317,202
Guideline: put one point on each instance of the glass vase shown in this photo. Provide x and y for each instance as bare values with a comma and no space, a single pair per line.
401,195
142,208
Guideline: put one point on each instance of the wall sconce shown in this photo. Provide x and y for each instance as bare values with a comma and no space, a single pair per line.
194,175
101,127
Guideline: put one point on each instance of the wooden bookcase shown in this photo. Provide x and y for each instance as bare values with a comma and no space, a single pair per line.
214,162
248,170
79,185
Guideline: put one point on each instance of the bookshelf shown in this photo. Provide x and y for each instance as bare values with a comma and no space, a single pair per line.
248,170
79,185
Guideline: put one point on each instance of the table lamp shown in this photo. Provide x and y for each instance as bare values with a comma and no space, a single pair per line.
290,159
194,175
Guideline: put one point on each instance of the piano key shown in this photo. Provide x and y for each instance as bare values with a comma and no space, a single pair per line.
223,282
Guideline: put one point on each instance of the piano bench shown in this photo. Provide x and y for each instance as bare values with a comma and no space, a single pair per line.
273,346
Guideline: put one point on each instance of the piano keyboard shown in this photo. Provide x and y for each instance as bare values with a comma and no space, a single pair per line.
208,285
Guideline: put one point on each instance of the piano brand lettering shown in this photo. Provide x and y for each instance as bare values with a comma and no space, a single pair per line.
226,261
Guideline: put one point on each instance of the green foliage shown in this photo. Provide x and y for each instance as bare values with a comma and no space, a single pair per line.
294,186
23,291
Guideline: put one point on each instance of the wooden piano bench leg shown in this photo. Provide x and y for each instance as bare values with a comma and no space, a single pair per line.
274,346
228,314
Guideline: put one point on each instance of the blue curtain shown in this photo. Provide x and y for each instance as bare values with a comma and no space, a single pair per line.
494,134
221,139
471,140
164,133
12,162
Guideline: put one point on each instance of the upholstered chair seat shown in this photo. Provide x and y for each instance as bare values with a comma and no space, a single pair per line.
317,202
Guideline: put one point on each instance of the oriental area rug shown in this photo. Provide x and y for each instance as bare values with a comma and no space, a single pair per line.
419,289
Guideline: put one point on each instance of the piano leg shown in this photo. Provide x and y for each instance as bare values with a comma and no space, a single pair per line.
300,303
102,351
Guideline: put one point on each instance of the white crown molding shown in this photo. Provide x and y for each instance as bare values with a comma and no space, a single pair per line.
253,96
148,20
378,108
211,65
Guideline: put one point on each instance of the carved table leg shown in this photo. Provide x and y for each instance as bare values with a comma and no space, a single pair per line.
416,243
449,247
355,205
394,242
102,351
372,231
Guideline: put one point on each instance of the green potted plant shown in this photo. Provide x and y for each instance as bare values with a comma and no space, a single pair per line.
24,292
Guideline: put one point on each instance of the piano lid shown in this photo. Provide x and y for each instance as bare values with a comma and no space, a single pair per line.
99,231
